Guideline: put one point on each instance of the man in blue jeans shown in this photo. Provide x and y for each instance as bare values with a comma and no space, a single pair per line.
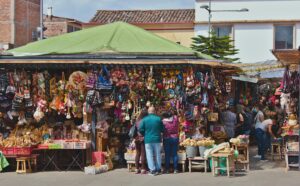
151,127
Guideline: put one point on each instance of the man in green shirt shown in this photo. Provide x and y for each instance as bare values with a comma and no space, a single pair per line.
151,127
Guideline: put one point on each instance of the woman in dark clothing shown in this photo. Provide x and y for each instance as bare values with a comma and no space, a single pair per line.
140,147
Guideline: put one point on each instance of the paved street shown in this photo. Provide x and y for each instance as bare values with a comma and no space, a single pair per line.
121,177
262,173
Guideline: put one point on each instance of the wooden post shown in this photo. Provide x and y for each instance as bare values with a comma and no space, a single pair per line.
93,135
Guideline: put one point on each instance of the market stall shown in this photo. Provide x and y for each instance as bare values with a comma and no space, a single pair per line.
290,101
80,91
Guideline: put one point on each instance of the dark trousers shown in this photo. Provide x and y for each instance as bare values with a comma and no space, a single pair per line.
261,139
171,148
140,155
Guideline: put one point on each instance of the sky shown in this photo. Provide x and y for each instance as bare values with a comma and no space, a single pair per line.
84,10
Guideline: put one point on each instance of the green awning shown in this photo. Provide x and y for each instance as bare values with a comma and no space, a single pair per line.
118,37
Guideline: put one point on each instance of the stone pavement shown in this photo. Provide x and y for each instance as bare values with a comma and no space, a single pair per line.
120,177
261,174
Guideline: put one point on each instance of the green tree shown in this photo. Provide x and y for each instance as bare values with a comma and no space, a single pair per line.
217,47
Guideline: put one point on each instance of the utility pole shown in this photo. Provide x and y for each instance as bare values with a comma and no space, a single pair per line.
41,20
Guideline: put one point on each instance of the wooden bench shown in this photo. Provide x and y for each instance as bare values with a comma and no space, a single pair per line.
243,157
276,151
23,165
230,165
197,162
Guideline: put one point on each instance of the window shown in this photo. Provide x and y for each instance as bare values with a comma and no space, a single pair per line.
284,37
222,31
72,28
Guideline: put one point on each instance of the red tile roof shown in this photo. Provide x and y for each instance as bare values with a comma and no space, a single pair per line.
144,16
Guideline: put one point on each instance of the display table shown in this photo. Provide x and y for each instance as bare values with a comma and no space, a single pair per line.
243,157
230,165
198,162
62,159
291,151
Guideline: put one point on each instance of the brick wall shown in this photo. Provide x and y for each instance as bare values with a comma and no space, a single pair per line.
55,28
27,20
5,26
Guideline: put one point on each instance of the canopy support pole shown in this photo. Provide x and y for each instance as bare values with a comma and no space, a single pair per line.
299,121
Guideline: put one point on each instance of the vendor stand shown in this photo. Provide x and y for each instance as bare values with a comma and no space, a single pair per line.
291,58
76,96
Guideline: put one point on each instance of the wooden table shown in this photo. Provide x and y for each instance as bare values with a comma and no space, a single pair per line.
243,157
196,162
230,166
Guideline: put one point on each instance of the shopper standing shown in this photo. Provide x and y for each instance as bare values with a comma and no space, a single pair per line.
151,127
248,121
171,140
229,120
260,132
140,146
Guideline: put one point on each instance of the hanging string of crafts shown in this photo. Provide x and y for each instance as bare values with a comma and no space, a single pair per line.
35,96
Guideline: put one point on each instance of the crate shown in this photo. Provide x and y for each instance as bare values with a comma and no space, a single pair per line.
59,142
55,146
81,145
25,151
95,170
68,145
129,156
293,146
43,146
8,151
98,157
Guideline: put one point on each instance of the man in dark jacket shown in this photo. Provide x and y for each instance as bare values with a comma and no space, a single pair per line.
151,127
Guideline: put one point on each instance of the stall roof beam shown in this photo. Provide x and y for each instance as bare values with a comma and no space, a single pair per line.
287,56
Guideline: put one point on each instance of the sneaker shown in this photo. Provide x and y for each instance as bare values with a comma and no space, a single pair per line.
158,172
257,156
137,171
151,173
176,171
166,172
143,171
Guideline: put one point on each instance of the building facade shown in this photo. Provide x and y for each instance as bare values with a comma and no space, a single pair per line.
175,25
60,25
19,20
268,25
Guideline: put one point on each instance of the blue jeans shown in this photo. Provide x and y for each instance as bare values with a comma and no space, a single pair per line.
171,147
153,156
261,139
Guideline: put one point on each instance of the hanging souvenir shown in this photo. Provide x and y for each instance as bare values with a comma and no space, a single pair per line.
91,80
150,81
228,87
85,126
78,79
190,82
22,119
104,84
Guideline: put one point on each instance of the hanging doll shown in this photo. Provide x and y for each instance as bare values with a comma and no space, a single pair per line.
150,80
39,113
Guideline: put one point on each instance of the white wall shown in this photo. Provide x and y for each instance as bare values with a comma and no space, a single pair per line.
254,40
258,10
